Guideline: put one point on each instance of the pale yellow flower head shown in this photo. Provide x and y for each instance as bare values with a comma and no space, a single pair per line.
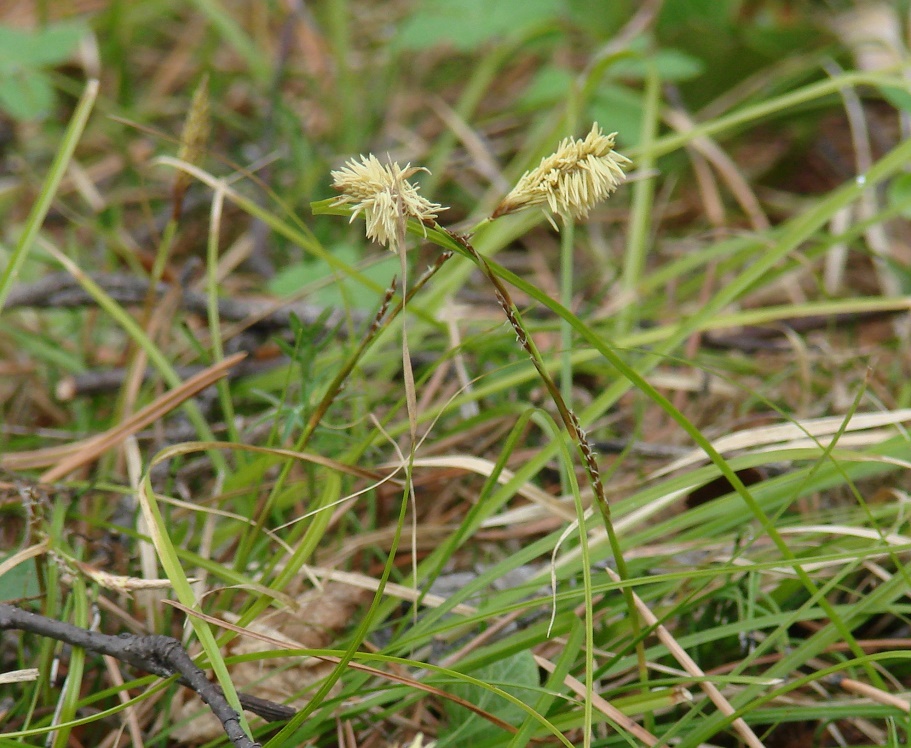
571,181
384,195
418,742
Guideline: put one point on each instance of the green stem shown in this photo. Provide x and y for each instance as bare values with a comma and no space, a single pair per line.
381,322
569,418
567,240
48,190
643,199
218,353
347,91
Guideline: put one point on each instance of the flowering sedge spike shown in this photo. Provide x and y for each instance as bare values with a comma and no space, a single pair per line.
572,180
384,195
193,139
418,742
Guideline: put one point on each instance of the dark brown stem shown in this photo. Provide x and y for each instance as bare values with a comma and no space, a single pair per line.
160,655
96,382
571,422
62,291
569,418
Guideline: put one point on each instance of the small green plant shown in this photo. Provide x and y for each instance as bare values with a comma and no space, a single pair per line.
570,182
26,85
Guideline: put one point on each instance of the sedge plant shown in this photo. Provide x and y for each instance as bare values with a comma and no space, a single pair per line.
569,183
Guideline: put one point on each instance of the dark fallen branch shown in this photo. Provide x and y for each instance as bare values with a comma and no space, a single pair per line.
772,338
160,655
96,382
62,291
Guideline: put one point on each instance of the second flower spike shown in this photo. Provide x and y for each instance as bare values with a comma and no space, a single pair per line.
571,181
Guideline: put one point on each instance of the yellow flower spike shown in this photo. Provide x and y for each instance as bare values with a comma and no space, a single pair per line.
571,181
384,195
193,139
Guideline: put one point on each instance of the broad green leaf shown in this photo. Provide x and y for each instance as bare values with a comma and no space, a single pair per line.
25,90
470,23
35,49
339,292
517,675
599,19
703,14
774,43
19,582
26,94
549,86
900,98
618,108
671,64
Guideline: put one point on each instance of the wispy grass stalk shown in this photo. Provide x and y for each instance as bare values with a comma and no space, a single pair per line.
567,273
568,417
338,16
641,219
306,545
170,562
357,638
586,568
218,352
139,336
48,191
68,699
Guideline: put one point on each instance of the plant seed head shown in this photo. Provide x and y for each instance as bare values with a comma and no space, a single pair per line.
384,195
571,181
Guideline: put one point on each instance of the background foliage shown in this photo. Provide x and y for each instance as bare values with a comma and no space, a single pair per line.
730,329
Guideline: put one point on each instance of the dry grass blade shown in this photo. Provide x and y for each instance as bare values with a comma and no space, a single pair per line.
736,182
485,467
602,705
689,664
287,643
71,456
20,557
815,428
874,694
20,676
390,588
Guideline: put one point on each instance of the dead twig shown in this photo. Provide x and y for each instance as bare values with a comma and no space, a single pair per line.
68,457
100,381
160,655
756,338
62,291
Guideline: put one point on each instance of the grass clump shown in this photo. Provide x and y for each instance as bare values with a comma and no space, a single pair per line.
663,504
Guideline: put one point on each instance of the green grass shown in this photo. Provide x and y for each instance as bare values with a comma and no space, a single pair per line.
782,603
